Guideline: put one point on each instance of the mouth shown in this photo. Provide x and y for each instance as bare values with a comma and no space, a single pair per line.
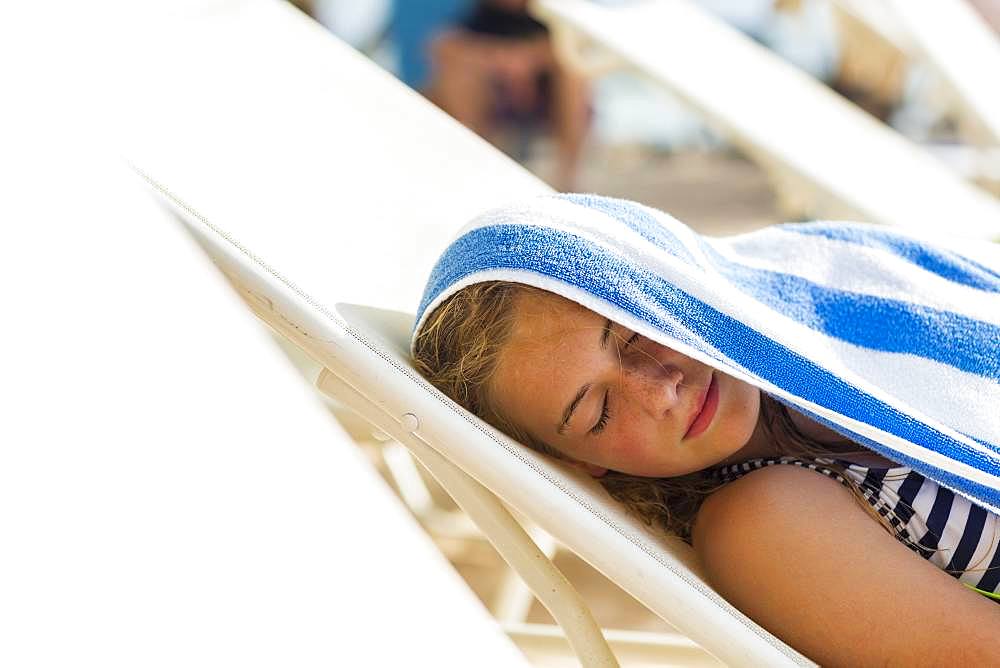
708,403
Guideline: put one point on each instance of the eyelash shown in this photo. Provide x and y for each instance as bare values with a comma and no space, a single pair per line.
602,422
605,416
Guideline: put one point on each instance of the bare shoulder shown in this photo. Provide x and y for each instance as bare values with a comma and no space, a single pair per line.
775,509
796,552
773,492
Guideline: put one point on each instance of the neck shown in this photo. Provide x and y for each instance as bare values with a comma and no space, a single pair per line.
764,440
760,445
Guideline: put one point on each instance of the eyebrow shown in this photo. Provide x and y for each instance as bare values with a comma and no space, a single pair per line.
568,413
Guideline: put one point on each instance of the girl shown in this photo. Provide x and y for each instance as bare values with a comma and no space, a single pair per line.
847,556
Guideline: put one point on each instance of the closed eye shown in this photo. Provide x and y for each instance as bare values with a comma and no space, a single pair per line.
602,422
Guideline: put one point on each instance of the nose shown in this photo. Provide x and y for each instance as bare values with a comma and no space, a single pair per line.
651,376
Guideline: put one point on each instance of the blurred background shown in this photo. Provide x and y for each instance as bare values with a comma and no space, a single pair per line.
491,65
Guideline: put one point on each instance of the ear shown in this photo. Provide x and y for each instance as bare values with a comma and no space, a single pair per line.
594,470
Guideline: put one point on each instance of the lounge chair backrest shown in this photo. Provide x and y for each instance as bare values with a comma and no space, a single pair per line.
366,349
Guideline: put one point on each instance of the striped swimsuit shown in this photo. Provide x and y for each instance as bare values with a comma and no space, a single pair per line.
954,534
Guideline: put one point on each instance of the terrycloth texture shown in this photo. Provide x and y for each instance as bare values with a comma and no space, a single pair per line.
890,340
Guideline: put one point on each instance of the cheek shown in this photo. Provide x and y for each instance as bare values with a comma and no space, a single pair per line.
742,413
631,437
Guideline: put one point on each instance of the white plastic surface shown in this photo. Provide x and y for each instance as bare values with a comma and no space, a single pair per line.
276,128
171,492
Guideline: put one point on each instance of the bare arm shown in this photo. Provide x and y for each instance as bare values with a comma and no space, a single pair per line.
794,551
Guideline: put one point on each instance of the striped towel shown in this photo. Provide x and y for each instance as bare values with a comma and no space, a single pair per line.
891,340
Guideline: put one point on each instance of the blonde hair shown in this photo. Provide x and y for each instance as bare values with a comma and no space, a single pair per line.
458,350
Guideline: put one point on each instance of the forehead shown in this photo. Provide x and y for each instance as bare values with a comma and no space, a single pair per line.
544,323
544,362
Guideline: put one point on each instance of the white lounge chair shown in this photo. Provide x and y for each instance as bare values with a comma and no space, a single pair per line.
353,187
810,138
364,354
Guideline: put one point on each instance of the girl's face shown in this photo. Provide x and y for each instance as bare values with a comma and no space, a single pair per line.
611,399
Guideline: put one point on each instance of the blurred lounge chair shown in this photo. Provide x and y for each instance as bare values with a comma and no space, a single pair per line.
826,157
958,45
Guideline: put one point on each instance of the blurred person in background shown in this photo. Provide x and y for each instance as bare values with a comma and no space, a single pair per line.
496,64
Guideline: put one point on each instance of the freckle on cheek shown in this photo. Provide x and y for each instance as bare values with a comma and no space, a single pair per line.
627,440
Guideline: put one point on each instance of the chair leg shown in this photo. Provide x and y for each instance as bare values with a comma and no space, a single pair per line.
513,600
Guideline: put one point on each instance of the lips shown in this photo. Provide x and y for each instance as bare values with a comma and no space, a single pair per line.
708,403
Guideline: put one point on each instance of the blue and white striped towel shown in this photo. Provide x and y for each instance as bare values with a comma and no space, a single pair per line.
889,339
